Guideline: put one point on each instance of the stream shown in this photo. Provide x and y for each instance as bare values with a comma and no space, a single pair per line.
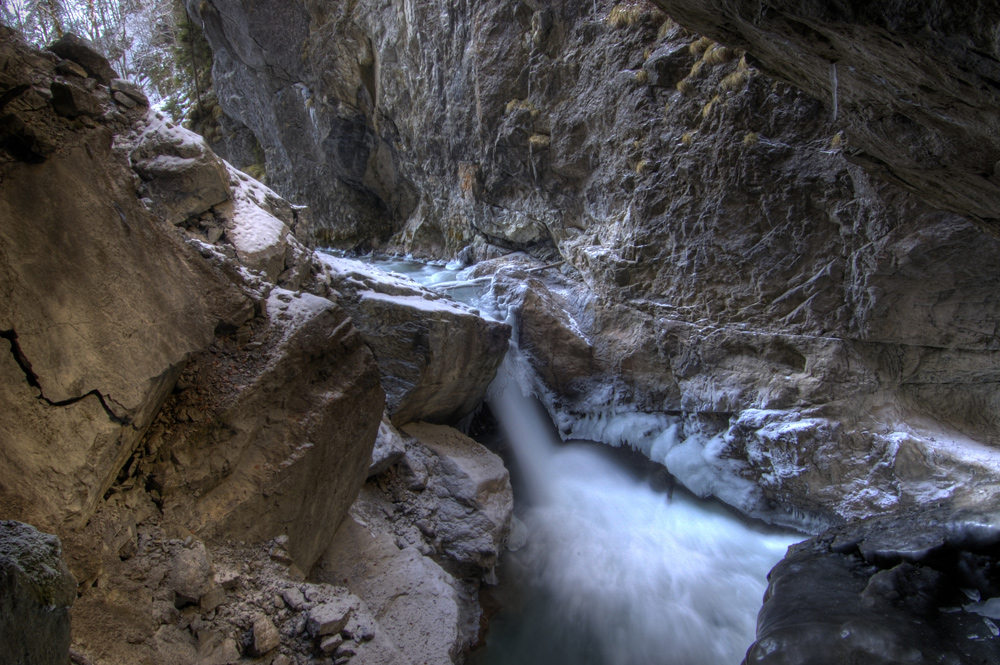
609,565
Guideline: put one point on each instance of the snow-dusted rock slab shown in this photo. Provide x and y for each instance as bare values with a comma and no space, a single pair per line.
261,239
436,356
182,175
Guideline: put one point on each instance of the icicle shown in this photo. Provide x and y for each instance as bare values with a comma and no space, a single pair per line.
833,88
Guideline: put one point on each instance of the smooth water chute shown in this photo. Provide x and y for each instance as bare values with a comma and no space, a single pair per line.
637,575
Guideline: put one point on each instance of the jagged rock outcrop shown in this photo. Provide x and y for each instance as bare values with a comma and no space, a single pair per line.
149,282
916,84
181,175
727,265
910,588
36,592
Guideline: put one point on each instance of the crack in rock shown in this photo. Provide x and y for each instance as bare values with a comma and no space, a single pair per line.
33,381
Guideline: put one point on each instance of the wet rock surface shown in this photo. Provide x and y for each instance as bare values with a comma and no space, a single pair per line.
916,587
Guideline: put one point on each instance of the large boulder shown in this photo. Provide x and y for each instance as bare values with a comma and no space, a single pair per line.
436,356
83,52
466,508
421,537
36,592
275,436
102,306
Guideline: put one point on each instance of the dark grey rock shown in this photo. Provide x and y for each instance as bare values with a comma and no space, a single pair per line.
70,68
84,53
36,592
124,100
130,90
72,101
887,590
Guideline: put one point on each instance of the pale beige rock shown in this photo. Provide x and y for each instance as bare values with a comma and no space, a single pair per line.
411,596
472,499
191,575
329,618
102,307
265,635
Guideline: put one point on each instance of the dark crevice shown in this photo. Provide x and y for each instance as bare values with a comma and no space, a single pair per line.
32,379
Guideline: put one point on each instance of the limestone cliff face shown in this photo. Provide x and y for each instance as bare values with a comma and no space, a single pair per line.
916,83
728,262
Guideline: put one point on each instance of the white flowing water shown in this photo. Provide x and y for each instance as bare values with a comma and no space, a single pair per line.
613,571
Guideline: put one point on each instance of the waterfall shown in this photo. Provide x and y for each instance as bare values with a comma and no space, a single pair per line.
619,572
616,570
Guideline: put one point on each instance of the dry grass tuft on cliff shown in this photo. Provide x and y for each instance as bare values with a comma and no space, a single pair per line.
700,45
522,105
539,141
629,14
716,54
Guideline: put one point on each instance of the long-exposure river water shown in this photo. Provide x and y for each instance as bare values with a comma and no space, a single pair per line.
612,570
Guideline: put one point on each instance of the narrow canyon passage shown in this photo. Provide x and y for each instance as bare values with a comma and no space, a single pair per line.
692,358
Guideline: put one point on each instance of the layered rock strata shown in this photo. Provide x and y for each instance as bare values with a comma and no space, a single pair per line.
915,84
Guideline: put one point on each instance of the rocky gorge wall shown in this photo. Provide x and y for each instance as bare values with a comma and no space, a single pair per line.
730,269
194,402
